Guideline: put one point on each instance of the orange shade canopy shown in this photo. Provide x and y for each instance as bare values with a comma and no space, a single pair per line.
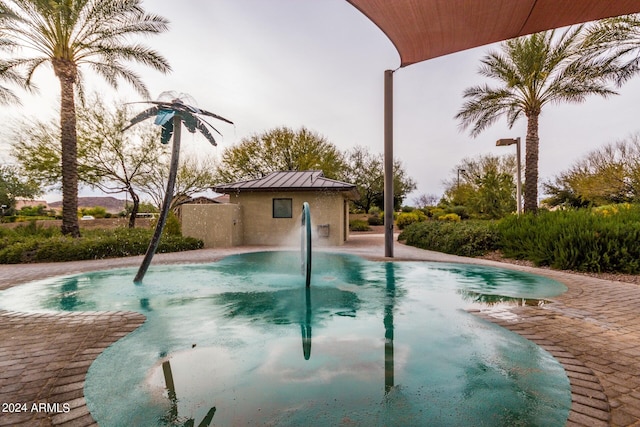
425,29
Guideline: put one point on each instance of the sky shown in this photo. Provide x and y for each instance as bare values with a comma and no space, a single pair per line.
320,64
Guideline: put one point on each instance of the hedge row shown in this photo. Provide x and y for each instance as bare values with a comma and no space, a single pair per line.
34,244
582,240
605,239
467,238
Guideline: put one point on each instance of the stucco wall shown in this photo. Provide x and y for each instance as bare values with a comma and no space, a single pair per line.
218,225
260,228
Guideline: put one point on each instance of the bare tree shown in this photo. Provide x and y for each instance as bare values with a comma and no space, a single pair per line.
425,200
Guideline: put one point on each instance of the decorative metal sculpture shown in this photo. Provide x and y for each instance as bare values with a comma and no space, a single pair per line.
171,111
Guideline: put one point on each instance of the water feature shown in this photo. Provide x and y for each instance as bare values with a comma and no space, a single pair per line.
392,344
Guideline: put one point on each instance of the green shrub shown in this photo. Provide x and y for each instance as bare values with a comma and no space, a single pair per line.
374,210
435,212
404,219
172,226
466,238
32,229
32,211
375,220
449,217
461,211
96,212
601,240
359,225
35,246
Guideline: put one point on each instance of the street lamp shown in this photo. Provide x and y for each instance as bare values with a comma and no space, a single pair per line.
511,141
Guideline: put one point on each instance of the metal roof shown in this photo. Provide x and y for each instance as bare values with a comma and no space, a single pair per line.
288,181
425,29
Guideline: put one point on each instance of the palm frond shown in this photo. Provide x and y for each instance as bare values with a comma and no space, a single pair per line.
91,32
167,132
617,39
211,126
193,124
111,54
485,106
207,113
111,72
29,65
150,112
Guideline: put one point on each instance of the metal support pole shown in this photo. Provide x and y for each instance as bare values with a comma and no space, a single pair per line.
388,163
519,186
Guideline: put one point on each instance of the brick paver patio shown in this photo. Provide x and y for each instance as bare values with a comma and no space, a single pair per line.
593,330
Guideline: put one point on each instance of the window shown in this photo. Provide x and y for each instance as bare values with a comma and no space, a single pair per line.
282,208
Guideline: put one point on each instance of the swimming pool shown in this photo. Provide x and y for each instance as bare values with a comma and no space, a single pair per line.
243,342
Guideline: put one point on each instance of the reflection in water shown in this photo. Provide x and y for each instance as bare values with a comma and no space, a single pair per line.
495,281
487,300
306,327
258,267
171,417
145,304
284,306
168,380
388,327
69,299
71,295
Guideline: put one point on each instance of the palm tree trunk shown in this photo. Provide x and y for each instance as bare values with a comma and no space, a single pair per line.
66,73
531,164
168,195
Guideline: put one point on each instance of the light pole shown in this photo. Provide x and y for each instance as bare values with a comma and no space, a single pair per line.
458,184
511,141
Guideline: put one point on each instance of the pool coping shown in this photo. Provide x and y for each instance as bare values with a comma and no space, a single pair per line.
575,328
589,403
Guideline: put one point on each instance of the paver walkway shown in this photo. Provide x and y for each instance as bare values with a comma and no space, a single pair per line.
44,359
593,330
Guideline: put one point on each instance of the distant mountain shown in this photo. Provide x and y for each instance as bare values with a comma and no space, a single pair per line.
111,204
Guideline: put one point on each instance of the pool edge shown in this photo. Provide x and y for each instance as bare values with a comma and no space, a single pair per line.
589,403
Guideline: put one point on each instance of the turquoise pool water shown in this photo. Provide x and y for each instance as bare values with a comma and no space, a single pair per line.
242,342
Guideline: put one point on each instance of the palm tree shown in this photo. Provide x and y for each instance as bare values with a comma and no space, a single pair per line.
618,37
68,34
533,71
170,112
7,96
